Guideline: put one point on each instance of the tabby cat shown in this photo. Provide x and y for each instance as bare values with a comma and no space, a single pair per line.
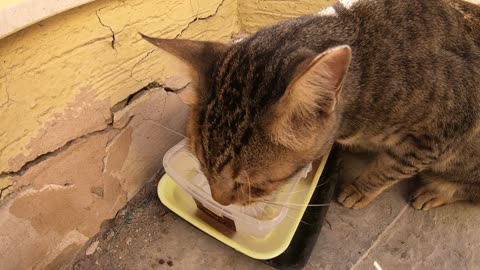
399,78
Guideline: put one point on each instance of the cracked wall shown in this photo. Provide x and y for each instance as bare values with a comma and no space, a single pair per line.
85,121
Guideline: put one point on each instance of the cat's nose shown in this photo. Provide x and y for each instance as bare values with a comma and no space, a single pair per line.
223,199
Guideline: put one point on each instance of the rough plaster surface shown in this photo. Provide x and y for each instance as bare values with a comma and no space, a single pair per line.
78,139
255,14
63,200
46,67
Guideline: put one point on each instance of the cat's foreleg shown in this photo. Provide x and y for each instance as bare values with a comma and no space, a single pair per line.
387,169
436,190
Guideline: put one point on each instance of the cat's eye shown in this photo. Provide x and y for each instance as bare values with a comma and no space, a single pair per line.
257,191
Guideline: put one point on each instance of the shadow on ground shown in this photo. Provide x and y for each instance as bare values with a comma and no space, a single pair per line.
146,235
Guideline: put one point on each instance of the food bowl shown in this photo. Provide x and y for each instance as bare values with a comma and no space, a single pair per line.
256,220
183,189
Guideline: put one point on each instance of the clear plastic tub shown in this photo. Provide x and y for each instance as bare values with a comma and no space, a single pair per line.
257,219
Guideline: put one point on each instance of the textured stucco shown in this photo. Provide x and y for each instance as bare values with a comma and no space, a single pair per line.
64,199
255,14
85,121
51,65
80,131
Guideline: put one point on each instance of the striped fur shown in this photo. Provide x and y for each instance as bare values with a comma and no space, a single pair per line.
412,94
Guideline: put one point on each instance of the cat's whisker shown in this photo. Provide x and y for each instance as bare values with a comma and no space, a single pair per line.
191,155
262,210
301,204
267,205
301,221
256,209
249,187
169,129
289,205
307,205
281,205
304,189
287,215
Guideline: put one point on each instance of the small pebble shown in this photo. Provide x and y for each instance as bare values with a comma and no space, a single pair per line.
92,248
128,241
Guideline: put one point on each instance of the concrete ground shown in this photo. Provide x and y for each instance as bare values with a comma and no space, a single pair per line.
388,233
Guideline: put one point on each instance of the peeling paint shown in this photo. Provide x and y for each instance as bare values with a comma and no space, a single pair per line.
63,128
5,184
97,117
57,70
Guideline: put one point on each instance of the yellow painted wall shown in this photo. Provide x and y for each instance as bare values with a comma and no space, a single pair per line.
55,62
255,14
72,152
70,158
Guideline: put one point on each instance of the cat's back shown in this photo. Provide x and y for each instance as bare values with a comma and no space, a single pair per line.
391,28
415,62
415,40
437,22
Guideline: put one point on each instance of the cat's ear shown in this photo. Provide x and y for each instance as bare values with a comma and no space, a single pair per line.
199,55
312,94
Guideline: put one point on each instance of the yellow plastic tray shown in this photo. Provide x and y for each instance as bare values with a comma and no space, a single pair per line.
181,203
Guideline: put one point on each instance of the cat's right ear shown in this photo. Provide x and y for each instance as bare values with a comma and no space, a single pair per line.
199,55
313,93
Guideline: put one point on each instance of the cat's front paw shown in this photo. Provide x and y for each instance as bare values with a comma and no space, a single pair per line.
351,197
432,195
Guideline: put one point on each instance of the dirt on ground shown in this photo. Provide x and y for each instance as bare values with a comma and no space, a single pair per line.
388,233
146,235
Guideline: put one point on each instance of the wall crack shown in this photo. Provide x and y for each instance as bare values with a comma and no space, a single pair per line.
108,27
6,101
109,127
39,159
130,98
200,19
3,189
139,61
189,24
63,54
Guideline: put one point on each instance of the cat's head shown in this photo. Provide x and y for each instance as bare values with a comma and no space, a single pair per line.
258,113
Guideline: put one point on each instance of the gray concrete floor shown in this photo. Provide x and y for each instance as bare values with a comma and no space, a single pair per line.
389,233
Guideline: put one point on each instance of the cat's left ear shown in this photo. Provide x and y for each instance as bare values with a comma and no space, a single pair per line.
199,55
311,96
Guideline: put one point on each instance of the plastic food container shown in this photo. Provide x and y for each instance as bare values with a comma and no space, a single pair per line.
256,220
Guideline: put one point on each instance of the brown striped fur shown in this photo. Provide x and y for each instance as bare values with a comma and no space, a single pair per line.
264,107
